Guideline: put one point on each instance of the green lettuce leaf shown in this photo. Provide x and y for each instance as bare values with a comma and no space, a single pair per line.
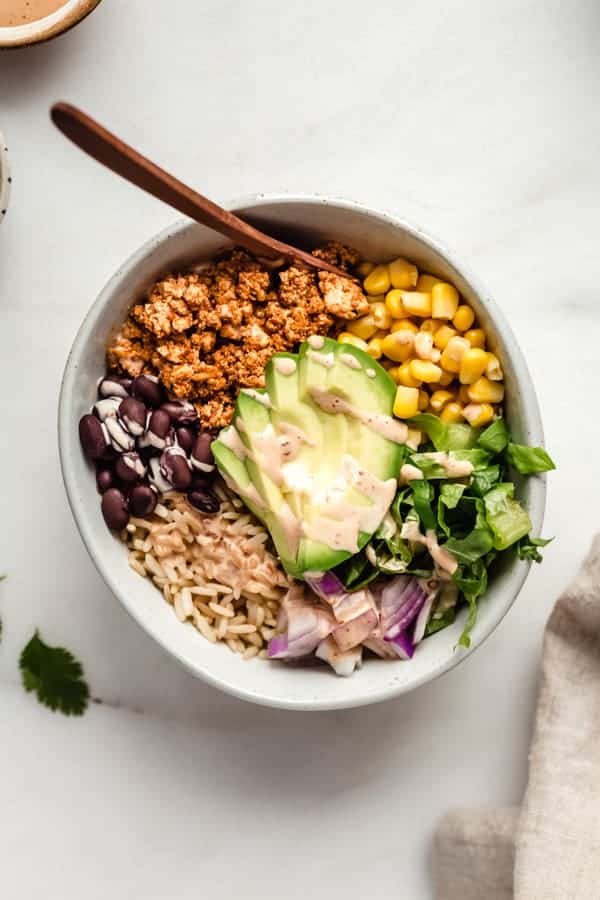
495,437
505,516
527,548
446,435
528,460
422,496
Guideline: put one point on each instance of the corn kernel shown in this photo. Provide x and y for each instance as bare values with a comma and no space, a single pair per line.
403,274
423,344
431,325
423,400
406,403
347,338
399,345
463,394
414,438
478,413
446,378
393,301
485,391
377,281
442,336
374,348
453,354
426,283
435,355
439,399
364,268
476,337
364,327
403,375
382,333
376,298
417,303
381,315
406,324
494,369
472,365
424,370
452,412
463,318
444,300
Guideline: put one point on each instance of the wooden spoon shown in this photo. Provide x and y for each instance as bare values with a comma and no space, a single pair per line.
113,153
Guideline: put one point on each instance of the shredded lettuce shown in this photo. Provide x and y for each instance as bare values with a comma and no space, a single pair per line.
528,460
495,437
507,519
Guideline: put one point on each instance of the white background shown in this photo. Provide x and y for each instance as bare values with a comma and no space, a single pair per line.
477,120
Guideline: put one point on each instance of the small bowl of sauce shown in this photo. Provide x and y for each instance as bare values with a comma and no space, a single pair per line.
24,22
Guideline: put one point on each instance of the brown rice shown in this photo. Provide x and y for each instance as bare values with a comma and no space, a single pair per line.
216,571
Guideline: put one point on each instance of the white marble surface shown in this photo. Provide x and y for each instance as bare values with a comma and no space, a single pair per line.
477,120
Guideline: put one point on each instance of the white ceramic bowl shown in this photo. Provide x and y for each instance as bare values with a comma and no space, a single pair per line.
310,220
65,17
4,177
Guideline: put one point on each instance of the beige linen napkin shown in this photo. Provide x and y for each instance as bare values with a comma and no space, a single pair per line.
550,849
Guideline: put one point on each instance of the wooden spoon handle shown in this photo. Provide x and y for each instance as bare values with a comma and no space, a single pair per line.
115,154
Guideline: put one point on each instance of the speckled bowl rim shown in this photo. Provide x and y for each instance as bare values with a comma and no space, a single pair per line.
63,19
5,177
532,418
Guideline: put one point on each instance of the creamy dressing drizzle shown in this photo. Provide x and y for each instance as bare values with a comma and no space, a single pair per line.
230,437
284,365
410,473
316,341
442,558
351,361
371,373
260,398
323,359
386,426
455,468
339,522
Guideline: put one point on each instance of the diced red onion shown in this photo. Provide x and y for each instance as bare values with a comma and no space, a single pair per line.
324,584
278,646
356,630
423,617
400,601
305,624
343,662
402,645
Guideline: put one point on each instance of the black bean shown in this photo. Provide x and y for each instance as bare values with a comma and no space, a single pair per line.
181,412
201,457
142,500
159,427
148,389
201,481
93,437
185,438
129,467
205,501
175,468
132,415
107,407
104,480
114,509
114,386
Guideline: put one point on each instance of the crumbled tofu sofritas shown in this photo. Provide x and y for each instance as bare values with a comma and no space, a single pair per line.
208,333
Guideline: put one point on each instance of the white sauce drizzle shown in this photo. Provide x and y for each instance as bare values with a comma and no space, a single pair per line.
231,439
291,527
456,468
371,373
285,365
386,426
323,359
442,558
316,341
251,494
410,473
260,398
349,360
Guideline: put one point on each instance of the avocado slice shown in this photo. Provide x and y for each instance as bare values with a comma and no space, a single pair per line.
324,479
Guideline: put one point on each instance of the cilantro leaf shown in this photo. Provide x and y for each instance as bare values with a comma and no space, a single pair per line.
55,676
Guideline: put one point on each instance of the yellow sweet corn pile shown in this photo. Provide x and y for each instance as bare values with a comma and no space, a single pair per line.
429,340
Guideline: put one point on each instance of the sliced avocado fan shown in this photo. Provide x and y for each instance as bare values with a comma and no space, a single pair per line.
315,455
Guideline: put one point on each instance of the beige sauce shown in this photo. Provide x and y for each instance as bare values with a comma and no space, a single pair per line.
22,12
410,473
371,373
291,527
230,438
442,558
251,494
284,365
386,426
316,341
456,468
323,359
349,360
294,437
260,398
